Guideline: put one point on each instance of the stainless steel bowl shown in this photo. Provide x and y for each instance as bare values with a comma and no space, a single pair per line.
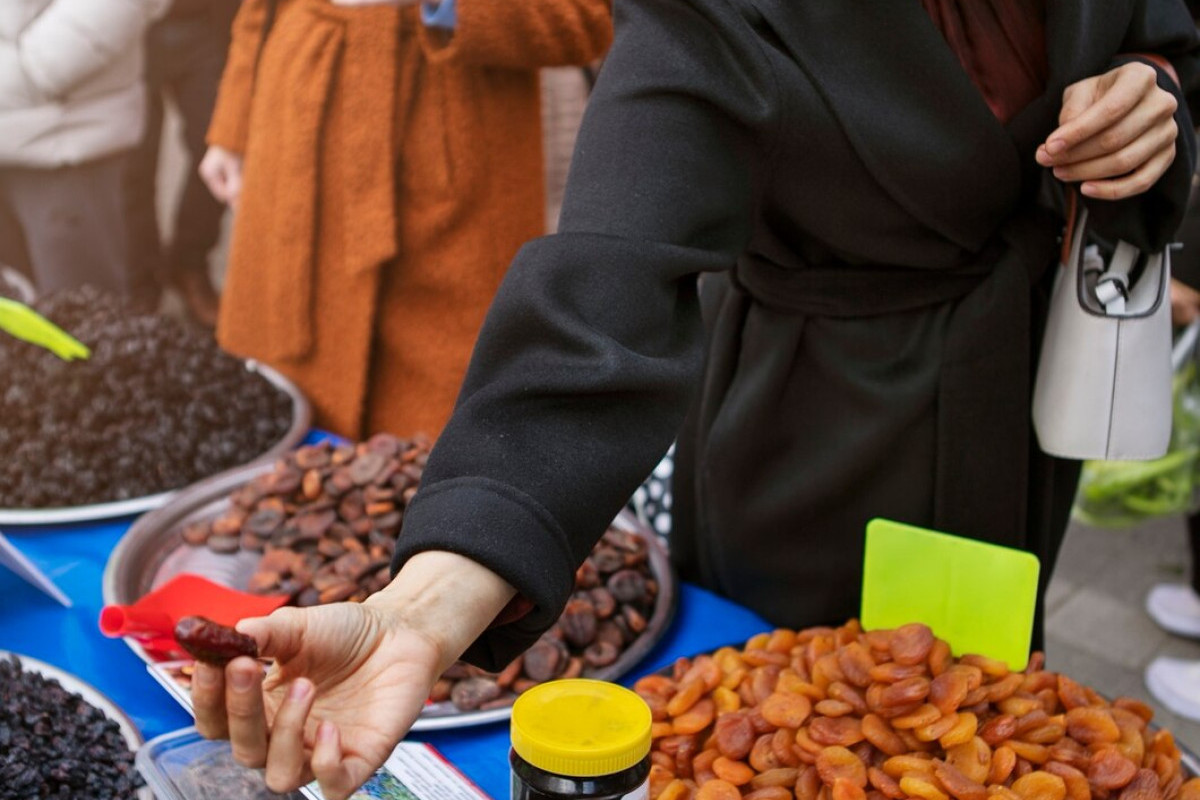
301,422
153,551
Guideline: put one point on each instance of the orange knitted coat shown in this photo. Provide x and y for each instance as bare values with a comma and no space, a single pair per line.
391,173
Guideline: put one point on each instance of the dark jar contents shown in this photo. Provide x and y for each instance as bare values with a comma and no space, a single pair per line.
531,783
580,739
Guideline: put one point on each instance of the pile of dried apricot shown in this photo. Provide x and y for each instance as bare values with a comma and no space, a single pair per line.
846,714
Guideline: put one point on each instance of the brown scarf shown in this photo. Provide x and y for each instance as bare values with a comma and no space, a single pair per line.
1002,47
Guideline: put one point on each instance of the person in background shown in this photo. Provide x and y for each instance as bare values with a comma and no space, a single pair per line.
392,167
866,205
72,105
185,54
1175,607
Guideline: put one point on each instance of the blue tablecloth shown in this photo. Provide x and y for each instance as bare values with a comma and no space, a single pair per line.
75,556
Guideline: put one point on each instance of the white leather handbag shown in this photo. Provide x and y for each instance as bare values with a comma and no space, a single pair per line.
1103,386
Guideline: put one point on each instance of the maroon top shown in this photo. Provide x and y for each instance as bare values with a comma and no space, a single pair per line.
1002,47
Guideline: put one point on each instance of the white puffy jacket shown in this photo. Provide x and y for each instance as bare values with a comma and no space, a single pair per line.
71,78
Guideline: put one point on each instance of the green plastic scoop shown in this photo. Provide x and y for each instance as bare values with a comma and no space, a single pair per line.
24,323
979,597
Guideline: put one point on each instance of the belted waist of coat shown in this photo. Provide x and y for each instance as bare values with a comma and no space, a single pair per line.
984,385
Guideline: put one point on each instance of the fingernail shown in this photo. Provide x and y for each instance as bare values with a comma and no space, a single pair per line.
241,680
1055,146
1059,172
299,689
1087,189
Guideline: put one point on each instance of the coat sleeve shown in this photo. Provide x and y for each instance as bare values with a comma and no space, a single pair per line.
524,35
590,352
73,39
231,115
1150,221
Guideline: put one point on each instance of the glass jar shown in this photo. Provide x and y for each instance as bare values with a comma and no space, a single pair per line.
580,739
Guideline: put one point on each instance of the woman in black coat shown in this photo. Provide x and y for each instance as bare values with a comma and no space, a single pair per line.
860,186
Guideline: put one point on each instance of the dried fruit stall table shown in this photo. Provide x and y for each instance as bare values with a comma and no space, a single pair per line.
75,556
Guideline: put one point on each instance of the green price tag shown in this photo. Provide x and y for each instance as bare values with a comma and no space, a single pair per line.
979,597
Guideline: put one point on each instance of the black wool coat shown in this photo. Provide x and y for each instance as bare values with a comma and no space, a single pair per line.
874,255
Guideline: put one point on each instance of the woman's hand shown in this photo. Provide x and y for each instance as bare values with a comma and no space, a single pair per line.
349,679
1116,133
346,686
221,171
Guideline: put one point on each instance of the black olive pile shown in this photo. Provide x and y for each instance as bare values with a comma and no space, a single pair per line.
157,407
53,743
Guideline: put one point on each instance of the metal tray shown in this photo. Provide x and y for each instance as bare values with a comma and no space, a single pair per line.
94,697
152,552
301,422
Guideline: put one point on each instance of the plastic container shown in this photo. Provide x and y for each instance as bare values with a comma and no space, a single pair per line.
577,739
183,765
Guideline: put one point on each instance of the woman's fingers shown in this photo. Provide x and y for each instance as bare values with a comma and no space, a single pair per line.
246,712
1096,104
287,760
339,774
1154,116
208,699
1135,183
1122,161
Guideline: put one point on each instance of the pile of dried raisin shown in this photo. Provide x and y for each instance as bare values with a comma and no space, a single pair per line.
158,406
843,714
54,744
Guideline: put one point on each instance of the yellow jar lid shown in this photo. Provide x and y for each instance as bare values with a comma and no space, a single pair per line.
581,728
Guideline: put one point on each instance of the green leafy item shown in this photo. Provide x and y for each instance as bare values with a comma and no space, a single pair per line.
1122,493
22,322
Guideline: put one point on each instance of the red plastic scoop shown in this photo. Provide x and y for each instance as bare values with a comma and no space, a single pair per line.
152,618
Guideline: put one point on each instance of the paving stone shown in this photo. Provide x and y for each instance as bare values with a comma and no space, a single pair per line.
1114,631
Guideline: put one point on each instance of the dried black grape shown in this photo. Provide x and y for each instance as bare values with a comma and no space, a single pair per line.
53,743
157,407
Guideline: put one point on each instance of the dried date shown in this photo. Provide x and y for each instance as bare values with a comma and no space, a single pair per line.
213,643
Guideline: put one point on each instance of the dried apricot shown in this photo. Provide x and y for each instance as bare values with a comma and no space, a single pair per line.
718,790
957,784
696,718
769,793
845,790
735,735
1108,769
856,663
936,729
685,698
763,755
948,690
1040,785
879,733
911,643
1090,725
885,783
923,788
1004,761
843,731
1073,779
833,708
737,773
786,710
780,776
924,715
839,763
678,790
963,730
973,759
